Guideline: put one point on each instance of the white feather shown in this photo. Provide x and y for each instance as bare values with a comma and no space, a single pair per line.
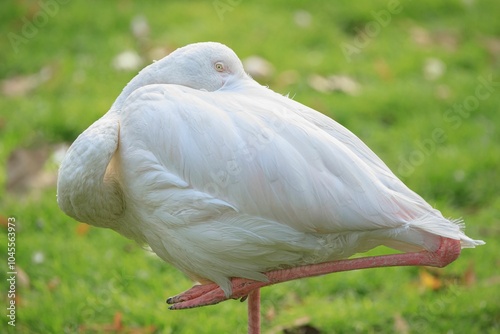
224,178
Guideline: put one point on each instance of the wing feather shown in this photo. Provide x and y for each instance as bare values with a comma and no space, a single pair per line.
268,156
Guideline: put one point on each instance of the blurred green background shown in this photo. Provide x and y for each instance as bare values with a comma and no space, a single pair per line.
416,80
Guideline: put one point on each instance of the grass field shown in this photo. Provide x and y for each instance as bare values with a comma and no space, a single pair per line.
425,99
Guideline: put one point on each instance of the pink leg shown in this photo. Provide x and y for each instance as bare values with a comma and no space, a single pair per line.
254,312
210,294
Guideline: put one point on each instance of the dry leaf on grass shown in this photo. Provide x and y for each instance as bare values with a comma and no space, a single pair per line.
438,278
53,283
82,229
127,61
4,221
469,278
270,313
286,78
33,169
449,40
340,83
433,69
302,18
492,44
401,326
383,69
258,67
428,280
22,279
21,85
24,166
140,27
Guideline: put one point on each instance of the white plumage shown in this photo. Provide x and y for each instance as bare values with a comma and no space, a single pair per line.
224,178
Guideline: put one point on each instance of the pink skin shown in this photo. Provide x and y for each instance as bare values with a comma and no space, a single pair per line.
254,312
210,294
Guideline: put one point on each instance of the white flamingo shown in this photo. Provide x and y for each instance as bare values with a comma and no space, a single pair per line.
240,187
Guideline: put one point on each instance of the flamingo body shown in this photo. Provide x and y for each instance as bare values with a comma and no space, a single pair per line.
224,178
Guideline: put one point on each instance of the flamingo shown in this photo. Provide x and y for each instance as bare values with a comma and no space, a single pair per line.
240,187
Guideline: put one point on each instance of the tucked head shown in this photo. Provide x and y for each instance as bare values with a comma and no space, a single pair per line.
206,65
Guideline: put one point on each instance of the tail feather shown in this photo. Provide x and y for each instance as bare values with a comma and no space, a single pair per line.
448,228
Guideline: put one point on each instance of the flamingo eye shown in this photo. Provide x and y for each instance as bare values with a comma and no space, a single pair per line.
219,67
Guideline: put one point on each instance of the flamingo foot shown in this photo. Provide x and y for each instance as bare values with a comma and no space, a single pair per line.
211,294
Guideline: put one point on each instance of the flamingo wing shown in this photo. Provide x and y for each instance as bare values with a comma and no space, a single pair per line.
256,181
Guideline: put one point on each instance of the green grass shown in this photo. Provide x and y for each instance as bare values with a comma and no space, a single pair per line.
85,279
